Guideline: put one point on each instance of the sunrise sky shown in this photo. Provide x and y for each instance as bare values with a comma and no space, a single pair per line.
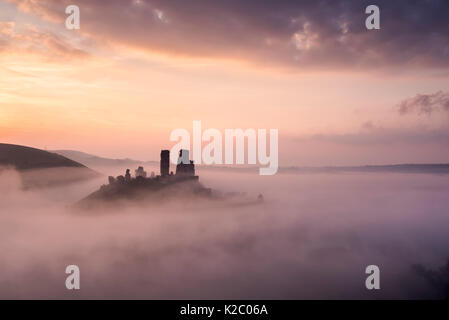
136,70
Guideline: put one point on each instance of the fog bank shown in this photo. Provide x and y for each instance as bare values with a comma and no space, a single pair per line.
311,238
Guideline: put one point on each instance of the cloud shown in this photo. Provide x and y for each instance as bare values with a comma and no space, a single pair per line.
30,39
425,103
294,34
383,136
7,28
419,133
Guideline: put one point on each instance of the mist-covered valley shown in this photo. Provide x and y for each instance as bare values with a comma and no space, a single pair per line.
312,237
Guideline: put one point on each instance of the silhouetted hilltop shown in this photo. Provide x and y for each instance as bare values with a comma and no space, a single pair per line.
42,168
23,158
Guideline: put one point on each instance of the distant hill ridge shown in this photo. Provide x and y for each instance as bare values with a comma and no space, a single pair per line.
93,160
437,168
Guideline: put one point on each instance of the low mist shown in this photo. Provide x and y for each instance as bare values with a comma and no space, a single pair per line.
312,237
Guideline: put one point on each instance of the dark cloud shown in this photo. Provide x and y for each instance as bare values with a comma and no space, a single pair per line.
439,279
425,103
315,34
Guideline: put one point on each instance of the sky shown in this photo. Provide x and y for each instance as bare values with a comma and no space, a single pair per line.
339,94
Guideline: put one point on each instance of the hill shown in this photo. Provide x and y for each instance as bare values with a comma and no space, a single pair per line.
96,161
42,168
23,158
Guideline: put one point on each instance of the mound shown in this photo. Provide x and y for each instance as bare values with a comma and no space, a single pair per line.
41,168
